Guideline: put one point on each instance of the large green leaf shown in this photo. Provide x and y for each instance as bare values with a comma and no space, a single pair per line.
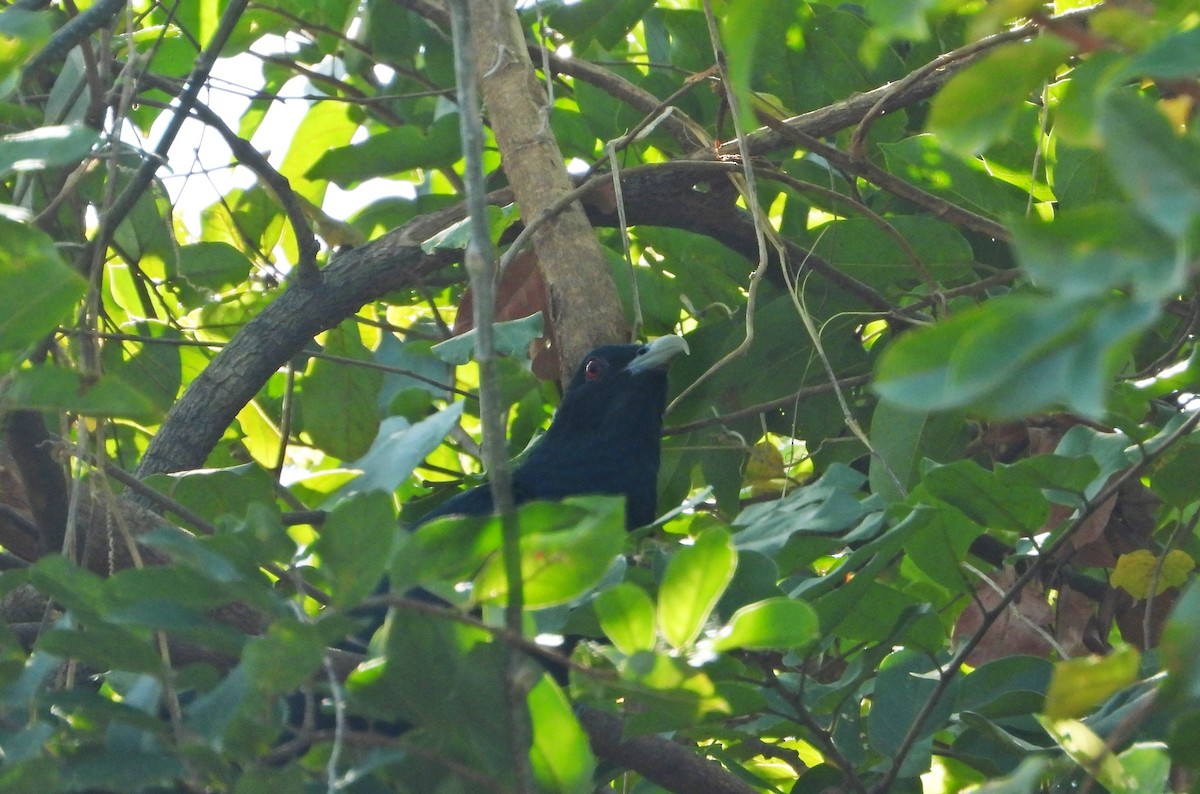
626,614
1100,248
775,623
39,288
1159,169
906,680
693,582
561,757
339,400
1011,357
562,561
391,152
981,104
46,147
354,544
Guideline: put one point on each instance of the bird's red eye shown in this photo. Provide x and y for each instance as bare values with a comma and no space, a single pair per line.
594,368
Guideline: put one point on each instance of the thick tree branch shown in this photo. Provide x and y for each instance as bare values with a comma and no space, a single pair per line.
673,766
584,307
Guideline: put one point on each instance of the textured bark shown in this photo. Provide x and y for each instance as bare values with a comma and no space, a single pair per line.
673,766
585,310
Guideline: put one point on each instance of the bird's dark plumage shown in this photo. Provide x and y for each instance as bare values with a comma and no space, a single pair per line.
604,438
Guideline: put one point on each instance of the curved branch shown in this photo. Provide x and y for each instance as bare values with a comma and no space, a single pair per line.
655,195
96,17
195,423
662,761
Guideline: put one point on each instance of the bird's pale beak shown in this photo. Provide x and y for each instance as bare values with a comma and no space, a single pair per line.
658,354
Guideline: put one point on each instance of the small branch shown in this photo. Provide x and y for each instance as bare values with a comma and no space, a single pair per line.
1034,570
96,17
142,177
276,183
961,57
482,271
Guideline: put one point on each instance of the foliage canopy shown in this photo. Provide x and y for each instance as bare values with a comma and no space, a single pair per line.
935,441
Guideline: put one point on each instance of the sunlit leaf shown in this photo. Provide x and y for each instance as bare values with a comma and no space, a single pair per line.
980,105
692,583
626,614
774,623
1080,684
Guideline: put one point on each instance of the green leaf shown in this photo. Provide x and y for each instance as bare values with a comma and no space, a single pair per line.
50,388
981,105
607,21
1181,648
777,623
1176,56
940,544
354,544
559,565
1009,686
1072,474
980,495
1081,684
694,580
1099,248
1159,169
391,152
456,236
510,338
741,27
904,20
967,182
449,548
1147,767
285,657
561,756
74,588
103,647
398,449
826,506
1014,356
626,614
122,769
863,250
46,147
22,33
39,288
338,400
901,438
217,492
326,126
1089,751
215,266
906,680
674,694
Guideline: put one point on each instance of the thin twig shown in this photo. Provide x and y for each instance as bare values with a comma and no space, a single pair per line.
482,270
1031,572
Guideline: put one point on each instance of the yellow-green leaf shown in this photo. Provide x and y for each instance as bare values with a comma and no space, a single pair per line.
1138,571
695,578
773,623
626,614
1079,685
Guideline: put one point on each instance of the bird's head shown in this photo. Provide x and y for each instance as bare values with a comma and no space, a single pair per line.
619,388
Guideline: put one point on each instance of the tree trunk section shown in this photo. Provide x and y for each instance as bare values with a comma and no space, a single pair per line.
585,310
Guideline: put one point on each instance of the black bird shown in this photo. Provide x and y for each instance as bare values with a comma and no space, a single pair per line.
604,438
